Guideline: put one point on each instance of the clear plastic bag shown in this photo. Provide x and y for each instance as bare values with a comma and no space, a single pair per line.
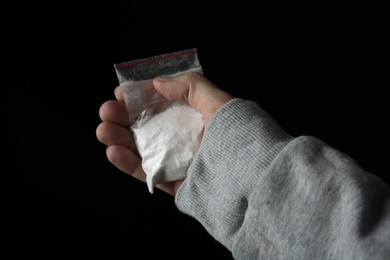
167,133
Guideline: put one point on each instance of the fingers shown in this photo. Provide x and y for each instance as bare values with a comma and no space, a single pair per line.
112,134
119,94
115,112
194,88
126,161
130,163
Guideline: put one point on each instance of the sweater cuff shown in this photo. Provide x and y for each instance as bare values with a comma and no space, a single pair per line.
239,143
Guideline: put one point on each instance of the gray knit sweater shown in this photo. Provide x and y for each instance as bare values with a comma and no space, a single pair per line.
264,194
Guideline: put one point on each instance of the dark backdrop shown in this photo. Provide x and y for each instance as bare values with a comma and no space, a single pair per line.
320,70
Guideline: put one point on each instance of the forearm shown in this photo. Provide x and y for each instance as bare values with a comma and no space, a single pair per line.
237,148
316,203
257,190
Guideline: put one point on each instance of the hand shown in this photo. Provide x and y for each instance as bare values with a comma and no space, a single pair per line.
114,130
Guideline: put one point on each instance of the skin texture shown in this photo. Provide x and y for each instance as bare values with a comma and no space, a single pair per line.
114,130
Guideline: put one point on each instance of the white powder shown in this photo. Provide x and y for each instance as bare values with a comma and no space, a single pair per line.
167,143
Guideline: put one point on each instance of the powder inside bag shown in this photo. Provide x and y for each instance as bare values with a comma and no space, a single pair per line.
167,143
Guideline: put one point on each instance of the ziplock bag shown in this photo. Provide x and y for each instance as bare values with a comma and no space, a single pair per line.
167,133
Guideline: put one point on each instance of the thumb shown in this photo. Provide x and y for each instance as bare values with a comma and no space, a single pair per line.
172,88
194,88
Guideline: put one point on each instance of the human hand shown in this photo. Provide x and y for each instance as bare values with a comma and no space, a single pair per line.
114,130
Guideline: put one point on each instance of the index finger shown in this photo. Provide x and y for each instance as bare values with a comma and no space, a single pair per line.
119,94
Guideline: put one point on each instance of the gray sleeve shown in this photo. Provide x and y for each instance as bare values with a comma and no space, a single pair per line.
264,194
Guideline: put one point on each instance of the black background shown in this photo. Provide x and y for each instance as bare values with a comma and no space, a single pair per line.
320,70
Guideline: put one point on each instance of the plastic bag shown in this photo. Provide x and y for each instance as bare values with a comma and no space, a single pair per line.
167,133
